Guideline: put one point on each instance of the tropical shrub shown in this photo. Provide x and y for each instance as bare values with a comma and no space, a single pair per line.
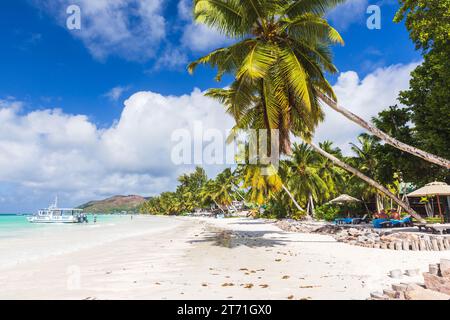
327,212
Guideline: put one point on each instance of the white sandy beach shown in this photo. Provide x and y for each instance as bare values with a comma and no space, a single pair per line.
188,261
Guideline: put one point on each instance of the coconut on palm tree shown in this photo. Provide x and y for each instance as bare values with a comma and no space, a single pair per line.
282,52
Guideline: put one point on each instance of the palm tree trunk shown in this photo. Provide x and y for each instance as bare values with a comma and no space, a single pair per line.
383,136
368,180
311,201
292,198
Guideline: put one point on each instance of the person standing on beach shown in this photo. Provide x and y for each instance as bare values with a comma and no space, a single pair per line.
95,218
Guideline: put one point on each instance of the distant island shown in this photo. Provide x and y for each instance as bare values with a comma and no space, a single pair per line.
116,204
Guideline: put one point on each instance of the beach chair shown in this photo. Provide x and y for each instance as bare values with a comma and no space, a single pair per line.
350,220
379,223
364,219
393,223
341,221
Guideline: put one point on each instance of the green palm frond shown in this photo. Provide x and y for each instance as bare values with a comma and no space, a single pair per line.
223,15
293,71
318,7
311,28
257,62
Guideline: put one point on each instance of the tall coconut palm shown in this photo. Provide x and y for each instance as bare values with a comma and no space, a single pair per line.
303,173
220,190
332,175
366,160
282,52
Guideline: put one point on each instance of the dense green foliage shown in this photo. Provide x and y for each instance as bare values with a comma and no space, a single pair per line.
305,173
327,212
424,123
428,22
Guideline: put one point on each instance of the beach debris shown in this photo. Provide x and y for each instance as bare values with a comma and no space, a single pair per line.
285,277
436,286
363,236
229,284
264,286
433,269
395,274
290,297
204,284
412,272
378,296
248,285
277,260
445,268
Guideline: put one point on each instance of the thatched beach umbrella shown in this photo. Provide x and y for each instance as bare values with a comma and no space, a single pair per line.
433,189
344,199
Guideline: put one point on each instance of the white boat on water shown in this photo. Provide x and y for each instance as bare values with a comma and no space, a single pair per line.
53,214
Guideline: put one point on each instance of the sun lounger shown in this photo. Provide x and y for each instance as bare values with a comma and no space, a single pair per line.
343,221
365,219
393,223
379,223
350,220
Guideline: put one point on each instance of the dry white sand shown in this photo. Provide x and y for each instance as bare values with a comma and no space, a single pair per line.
189,261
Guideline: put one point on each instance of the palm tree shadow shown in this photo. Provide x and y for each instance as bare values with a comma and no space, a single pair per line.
233,239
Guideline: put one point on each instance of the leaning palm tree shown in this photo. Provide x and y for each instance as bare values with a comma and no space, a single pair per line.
282,52
257,119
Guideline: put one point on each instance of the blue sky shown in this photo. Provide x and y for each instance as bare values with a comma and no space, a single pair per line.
51,76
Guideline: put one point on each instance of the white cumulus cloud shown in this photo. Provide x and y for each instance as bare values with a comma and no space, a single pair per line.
130,29
48,152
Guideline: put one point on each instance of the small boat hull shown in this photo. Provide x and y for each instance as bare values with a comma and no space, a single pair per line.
38,219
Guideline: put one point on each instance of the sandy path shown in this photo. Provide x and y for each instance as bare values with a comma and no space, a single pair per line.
256,261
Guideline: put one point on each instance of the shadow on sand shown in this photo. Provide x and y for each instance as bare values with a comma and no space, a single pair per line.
263,238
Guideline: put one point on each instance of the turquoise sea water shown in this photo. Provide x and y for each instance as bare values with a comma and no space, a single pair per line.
12,225
22,241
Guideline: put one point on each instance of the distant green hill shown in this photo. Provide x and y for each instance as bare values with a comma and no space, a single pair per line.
114,204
